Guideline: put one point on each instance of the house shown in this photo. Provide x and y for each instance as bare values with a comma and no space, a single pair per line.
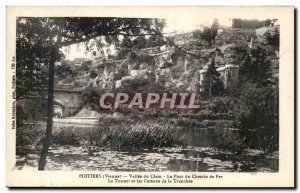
220,31
260,32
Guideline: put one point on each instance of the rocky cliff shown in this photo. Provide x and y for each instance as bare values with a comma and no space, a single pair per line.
182,67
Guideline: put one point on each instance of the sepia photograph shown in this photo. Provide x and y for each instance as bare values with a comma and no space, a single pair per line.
147,94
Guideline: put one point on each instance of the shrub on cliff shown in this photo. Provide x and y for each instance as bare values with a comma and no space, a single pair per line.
93,74
208,35
135,84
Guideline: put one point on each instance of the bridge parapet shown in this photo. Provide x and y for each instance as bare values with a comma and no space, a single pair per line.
67,88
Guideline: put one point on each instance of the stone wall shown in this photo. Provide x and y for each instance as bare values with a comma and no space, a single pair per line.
230,76
203,81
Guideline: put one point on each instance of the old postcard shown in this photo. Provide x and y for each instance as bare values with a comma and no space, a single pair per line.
150,97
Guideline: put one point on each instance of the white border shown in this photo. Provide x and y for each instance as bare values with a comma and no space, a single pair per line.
89,2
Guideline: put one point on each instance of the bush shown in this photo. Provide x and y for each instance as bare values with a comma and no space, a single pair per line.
27,136
257,68
237,144
91,95
208,35
222,105
65,137
258,109
31,110
93,74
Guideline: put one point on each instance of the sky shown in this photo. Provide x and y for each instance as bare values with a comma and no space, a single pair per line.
181,24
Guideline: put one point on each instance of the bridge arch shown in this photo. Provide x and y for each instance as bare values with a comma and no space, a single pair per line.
67,102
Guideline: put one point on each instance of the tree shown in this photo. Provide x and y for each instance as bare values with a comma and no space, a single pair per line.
124,48
258,108
257,68
32,57
214,29
215,85
39,41
206,34
273,38
210,33
258,103
267,22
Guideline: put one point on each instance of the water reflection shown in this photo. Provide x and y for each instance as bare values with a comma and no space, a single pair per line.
160,159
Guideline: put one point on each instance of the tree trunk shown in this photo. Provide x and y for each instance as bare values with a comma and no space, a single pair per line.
47,140
48,134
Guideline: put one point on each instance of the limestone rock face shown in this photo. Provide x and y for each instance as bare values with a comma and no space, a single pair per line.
170,66
108,82
132,65
194,85
231,52
174,69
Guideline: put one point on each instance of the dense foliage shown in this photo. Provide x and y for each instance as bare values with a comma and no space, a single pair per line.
258,103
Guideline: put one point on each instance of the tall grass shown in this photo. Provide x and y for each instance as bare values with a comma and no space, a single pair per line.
136,135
